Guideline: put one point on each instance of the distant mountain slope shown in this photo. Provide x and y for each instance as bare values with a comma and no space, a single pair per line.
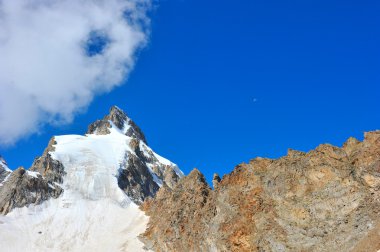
325,200
82,193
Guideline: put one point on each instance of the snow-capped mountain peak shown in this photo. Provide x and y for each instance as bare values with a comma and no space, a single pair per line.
85,190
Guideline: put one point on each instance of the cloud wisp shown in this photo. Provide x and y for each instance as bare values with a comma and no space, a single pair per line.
56,55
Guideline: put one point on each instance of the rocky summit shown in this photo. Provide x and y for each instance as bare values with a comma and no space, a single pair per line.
327,199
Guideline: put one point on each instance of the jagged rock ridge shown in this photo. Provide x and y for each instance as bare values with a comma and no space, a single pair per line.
325,200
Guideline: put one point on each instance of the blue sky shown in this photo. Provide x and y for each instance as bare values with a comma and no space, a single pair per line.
221,82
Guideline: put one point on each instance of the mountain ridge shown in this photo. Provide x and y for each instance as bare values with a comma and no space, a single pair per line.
327,199
109,191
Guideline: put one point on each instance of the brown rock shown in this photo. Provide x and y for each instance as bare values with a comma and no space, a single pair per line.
325,200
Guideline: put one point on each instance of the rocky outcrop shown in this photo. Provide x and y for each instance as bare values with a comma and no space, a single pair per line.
23,188
120,119
323,200
39,183
52,170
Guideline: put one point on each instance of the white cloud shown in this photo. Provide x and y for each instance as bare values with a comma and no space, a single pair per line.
46,73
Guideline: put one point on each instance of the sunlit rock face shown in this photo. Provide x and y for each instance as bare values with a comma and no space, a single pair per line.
327,199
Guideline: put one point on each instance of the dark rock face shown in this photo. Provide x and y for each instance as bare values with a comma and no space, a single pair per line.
325,200
121,121
135,177
136,180
135,131
24,188
162,171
